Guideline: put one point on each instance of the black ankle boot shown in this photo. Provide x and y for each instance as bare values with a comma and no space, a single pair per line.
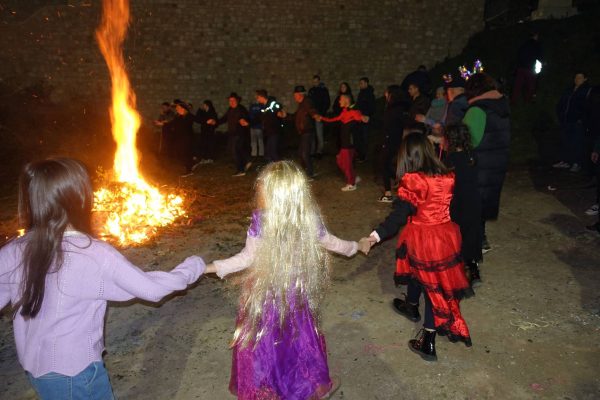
424,345
473,273
410,311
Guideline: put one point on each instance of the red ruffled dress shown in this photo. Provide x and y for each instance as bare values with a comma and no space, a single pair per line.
429,249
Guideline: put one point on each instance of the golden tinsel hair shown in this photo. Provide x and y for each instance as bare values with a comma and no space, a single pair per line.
290,265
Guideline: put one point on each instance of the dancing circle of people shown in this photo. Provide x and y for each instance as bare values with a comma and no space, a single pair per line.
449,161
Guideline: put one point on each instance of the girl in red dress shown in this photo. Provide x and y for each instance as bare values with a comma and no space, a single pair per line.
429,247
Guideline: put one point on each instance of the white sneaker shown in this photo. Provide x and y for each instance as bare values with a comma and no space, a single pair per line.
561,165
575,168
348,188
593,210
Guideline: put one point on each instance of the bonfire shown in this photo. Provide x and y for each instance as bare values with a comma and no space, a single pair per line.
132,208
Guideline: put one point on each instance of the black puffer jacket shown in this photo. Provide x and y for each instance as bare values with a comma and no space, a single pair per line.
492,154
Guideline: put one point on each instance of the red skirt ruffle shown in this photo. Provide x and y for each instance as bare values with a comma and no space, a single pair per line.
430,254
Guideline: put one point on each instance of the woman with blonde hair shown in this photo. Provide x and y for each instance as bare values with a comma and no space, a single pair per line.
278,348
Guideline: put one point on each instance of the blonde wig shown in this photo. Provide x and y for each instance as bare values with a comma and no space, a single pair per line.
290,265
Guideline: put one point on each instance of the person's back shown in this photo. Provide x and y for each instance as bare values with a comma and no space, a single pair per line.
431,196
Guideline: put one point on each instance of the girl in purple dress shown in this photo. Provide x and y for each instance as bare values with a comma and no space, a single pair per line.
278,347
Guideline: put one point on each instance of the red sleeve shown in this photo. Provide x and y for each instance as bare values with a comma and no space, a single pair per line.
413,188
332,119
355,115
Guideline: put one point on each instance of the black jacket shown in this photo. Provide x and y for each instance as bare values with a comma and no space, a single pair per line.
395,118
365,101
571,106
320,98
232,118
492,154
202,118
303,117
401,210
270,121
465,207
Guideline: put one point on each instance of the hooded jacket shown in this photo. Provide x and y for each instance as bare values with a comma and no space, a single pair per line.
492,151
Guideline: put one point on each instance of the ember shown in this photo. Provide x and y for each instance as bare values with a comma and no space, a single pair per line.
133,207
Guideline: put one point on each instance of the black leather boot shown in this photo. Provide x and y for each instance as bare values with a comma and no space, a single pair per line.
410,311
473,274
424,345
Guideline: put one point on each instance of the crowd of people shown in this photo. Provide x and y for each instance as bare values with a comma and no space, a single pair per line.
448,157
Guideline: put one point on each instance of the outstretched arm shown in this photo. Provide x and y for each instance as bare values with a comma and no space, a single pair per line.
339,246
239,262
392,223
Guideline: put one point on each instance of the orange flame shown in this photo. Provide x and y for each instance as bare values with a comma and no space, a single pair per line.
125,119
135,208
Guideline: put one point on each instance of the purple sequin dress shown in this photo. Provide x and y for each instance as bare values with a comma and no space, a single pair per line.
289,362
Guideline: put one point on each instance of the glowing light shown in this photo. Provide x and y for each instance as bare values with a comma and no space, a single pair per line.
466,73
20,232
538,67
133,208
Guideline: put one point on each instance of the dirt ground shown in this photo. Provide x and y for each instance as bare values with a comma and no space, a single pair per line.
535,321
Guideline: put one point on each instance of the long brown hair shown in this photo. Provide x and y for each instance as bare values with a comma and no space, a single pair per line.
53,194
417,154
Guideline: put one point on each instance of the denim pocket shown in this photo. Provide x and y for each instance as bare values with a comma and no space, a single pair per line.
90,373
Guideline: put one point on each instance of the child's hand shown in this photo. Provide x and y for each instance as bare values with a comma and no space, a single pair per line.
364,245
210,269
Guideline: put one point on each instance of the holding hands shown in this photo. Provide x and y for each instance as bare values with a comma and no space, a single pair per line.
365,244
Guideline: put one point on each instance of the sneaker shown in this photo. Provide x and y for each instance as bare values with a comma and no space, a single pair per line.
485,246
239,174
575,168
349,188
593,210
357,180
386,199
561,165
248,166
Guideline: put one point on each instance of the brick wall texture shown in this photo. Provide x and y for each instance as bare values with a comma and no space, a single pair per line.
205,49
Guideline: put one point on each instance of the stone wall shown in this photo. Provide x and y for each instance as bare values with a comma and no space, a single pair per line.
204,49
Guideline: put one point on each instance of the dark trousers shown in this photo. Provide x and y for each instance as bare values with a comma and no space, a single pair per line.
185,152
389,155
239,150
412,296
306,140
573,142
360,138
207,145
524,85
272,147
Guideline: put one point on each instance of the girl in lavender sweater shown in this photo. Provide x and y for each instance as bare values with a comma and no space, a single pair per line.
278,348
59,279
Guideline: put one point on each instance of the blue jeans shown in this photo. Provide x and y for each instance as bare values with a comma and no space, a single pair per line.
90,384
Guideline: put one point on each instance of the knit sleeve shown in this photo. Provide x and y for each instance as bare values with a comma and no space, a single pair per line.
475,119
114,278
